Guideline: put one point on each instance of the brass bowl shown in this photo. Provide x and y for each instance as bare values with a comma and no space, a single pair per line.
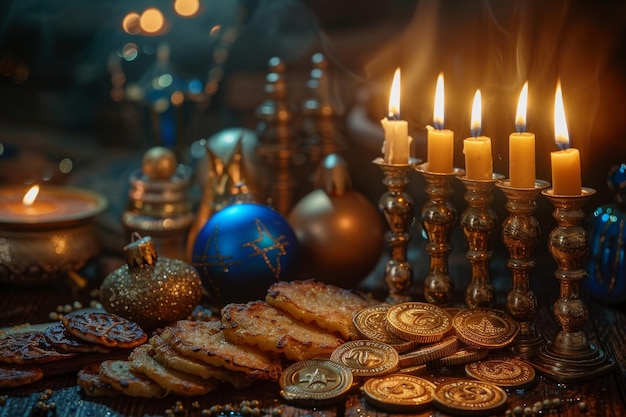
35,249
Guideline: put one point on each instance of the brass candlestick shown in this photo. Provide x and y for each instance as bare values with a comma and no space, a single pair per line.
438,216
520,233
570,356
397,207
478,222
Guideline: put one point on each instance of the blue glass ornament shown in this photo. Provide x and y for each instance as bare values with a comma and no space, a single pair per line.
242,250
607,264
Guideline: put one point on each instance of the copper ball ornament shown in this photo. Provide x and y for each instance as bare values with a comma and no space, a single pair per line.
159,163
149,290
340,232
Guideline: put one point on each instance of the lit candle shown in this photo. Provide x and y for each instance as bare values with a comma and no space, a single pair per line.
30,205
397,144
566,179
522,147
477,149
440,153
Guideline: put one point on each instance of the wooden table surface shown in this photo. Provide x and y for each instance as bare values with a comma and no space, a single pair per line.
600,396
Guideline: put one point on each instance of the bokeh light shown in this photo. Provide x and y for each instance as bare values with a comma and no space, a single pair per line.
130,23
177,98
152,20
187,8
66,165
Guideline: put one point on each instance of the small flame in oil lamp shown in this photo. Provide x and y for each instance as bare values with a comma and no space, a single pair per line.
30,205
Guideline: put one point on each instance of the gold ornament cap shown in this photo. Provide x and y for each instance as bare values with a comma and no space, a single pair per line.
140,252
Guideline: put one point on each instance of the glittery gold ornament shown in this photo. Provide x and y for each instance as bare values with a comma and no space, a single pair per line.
149,290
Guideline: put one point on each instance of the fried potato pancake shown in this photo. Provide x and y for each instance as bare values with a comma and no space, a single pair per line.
119,374
330,307
204,341
88,379
58,336
259,324
170,358
104,328
12,376
29,347
181,383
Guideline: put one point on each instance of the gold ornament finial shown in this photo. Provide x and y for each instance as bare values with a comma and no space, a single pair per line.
140,252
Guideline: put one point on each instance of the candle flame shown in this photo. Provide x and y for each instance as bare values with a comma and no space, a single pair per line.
438,112
561,135
394,96
476,115
30,196
522,105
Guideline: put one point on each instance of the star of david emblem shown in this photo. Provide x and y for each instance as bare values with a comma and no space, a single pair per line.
217,262
270,248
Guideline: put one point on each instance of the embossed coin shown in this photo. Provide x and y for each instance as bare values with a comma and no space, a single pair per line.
460,357
470,397
502,371
413,370
366,357
428,353
485,328
419,322
315,382
371,323
398,392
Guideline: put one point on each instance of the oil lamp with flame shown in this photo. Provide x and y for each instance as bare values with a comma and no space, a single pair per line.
46,232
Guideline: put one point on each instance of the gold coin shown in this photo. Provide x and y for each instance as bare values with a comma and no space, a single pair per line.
366,357
502,371
429,353
315,382
371,323
485,328
460,357
413,370
469,397
398,392
419,322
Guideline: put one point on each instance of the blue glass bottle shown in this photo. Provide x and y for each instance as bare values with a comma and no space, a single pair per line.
607,261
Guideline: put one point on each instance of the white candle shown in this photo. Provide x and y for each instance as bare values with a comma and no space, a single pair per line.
477,149
440,153
397,144
522,147
566,178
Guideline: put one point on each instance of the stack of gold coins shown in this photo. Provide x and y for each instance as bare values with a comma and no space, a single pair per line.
371,323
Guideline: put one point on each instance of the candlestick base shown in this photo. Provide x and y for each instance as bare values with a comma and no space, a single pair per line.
570,357
438,215
397,207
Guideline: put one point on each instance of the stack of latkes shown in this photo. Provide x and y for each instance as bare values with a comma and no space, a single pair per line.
298,320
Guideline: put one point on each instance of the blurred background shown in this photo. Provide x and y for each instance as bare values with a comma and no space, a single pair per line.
87,87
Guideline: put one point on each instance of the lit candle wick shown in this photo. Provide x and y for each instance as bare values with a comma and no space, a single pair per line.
476,115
